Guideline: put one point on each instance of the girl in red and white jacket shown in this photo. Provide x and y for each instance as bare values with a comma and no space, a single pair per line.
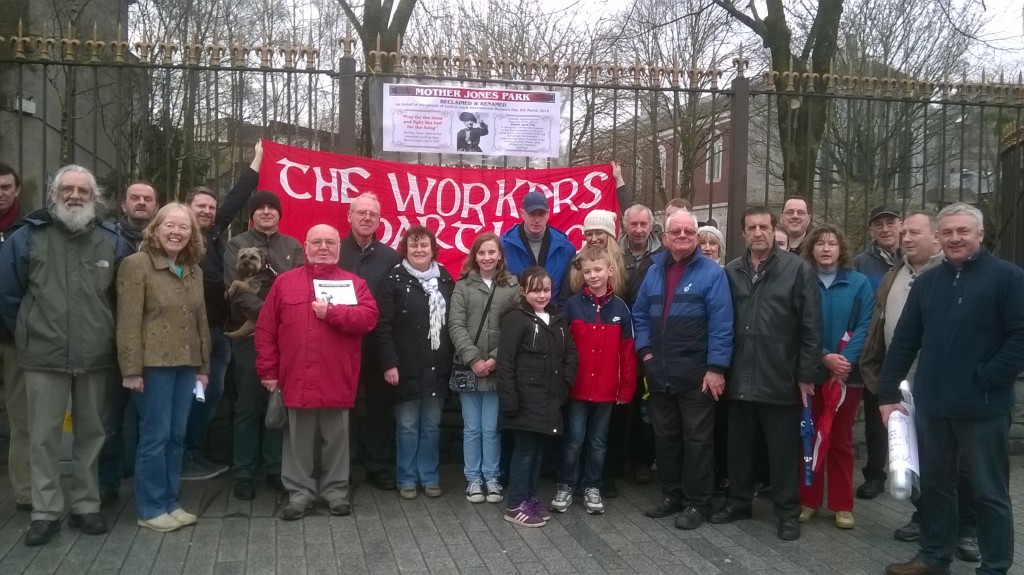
602,327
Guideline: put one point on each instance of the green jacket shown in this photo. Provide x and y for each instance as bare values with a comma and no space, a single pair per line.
161,318
465,315
57,294
280,252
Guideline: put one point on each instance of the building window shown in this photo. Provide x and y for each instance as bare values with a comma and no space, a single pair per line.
713,166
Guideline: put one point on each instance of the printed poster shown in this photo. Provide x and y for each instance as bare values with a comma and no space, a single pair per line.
462,120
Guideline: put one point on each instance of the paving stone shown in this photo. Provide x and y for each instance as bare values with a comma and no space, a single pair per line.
386,535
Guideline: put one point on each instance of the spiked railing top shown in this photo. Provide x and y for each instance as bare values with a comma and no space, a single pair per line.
488,62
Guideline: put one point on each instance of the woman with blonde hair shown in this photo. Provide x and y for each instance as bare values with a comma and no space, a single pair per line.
712,243
163,347
599,231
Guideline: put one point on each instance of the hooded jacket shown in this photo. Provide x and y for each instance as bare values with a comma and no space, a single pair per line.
57,292
402,336
778,341
602,329
537,365
467,313
519,256
315,361
973,348
5,334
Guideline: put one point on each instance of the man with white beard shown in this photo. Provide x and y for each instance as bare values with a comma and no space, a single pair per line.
56,296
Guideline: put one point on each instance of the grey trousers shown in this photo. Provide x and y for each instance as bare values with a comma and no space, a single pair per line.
297,458
48,394
16,404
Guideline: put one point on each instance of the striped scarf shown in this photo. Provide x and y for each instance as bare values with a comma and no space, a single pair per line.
428,281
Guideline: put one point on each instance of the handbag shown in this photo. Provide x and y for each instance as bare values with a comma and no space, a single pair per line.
463,380
277,416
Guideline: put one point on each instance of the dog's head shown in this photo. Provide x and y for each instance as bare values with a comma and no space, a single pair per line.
250,262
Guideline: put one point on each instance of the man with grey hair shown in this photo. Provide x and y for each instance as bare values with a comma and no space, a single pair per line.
684,333
970,356
56,295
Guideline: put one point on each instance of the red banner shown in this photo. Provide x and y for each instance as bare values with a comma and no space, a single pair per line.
456,203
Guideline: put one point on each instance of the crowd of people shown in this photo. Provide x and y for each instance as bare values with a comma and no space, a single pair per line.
639,351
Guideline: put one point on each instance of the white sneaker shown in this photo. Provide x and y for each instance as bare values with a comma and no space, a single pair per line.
475,492
563,498
161,523
495,494
592,501
183,517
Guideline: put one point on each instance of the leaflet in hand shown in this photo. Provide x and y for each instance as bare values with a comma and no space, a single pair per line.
337,292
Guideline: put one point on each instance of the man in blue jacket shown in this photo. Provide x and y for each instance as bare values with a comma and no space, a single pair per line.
683,320
970,356
535,243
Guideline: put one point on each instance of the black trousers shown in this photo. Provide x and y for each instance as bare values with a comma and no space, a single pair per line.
876,437
684,429
617,440
377,433
779,425
981,448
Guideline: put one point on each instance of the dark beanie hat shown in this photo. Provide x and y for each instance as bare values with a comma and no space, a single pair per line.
265,198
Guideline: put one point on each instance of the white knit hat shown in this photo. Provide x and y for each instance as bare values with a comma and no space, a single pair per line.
600,220
715,232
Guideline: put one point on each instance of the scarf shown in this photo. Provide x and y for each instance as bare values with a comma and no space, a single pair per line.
428,281
887,257
8,218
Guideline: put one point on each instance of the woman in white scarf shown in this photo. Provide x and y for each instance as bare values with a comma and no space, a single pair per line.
416,352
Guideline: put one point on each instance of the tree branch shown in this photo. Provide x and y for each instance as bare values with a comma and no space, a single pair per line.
351,17
755,25
403,14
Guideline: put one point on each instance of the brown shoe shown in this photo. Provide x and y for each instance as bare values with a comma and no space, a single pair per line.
916,566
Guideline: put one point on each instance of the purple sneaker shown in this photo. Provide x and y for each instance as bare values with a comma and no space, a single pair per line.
539,508
524,516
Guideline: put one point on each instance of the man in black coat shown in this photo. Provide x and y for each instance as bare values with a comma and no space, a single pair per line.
776,353
213,222
364,255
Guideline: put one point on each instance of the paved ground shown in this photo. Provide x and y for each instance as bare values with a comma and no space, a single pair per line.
450,535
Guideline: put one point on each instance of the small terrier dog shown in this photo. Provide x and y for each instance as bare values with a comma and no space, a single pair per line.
254,277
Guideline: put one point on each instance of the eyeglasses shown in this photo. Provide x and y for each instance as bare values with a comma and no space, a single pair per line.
676,232
791,213
328,243
366,214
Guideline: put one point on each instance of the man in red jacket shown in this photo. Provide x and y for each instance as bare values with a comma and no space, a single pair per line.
308,343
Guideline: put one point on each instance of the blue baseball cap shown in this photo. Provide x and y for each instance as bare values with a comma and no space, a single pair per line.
534,201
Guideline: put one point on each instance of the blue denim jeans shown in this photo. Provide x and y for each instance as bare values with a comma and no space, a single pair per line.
981,446
524,468
481,445
202,413
163,408
417,431
585,420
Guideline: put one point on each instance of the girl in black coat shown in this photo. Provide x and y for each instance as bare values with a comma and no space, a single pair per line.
536,367
415,351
